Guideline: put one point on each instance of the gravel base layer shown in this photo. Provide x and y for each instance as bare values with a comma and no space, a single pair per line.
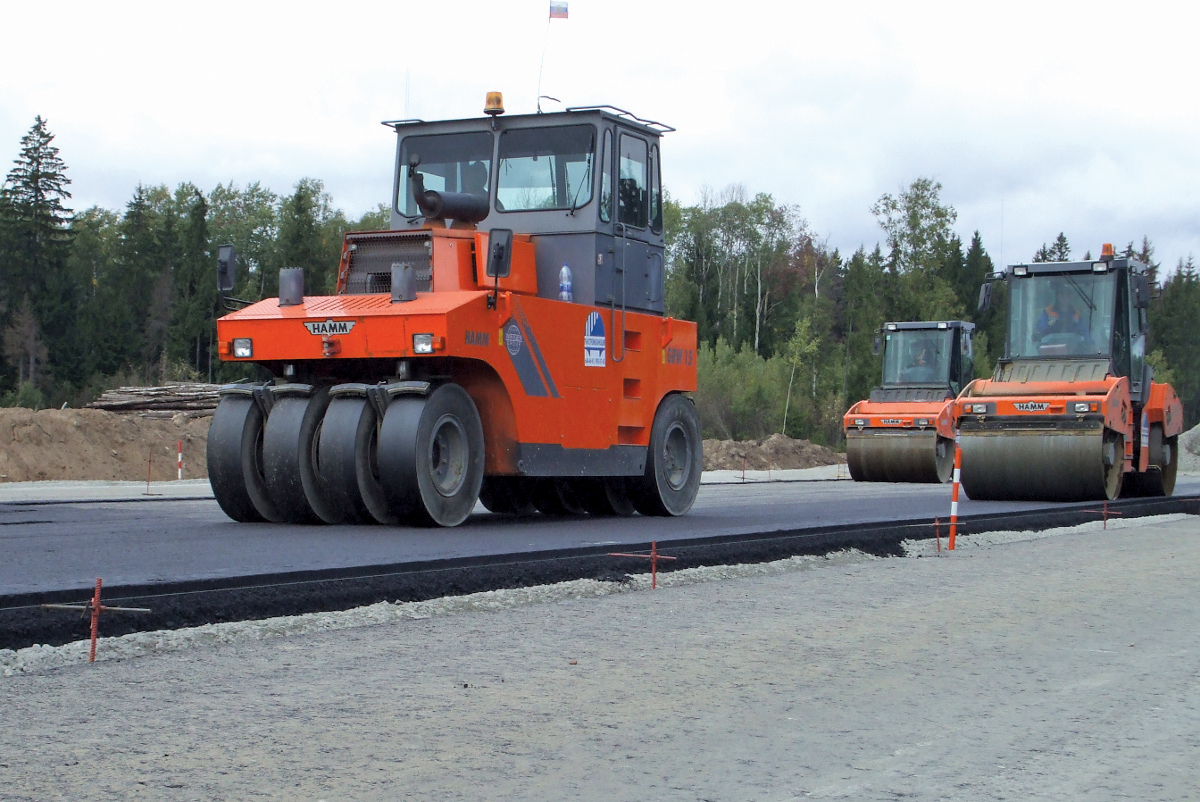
1049,665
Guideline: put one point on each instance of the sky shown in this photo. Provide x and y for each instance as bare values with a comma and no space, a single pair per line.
1035,117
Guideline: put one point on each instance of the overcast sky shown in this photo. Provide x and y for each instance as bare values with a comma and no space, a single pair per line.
1035,117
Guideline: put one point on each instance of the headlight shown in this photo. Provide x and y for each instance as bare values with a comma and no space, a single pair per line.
922,421
978,409
243,347
422,343
860,421
1081,406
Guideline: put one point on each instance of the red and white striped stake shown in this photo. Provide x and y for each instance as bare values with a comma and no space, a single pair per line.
181,459
954,492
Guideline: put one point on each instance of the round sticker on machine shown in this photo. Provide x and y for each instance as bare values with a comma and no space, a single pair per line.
512,338
593,341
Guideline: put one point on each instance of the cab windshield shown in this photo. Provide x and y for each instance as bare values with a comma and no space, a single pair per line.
545,168
448,163
917,356
1068,315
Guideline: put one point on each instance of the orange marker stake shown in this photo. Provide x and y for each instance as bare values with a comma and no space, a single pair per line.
954,492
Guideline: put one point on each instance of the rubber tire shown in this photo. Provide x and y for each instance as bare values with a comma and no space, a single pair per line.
507,495
431,456
1115,477
556,497
234,459
944,459
1158,480
674,460
290,443
345,455
605,496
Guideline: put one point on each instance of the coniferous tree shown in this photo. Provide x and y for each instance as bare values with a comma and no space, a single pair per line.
36,243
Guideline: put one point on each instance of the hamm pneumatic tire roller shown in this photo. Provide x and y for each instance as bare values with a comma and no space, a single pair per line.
905,431
1072,412
459,363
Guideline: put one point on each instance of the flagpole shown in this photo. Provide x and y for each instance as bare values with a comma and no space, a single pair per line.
545,42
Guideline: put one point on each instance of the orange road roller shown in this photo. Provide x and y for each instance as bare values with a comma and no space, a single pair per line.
503,342
905,431
1072,411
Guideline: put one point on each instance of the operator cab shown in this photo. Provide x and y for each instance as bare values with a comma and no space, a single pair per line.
584,183
926,360
1090,313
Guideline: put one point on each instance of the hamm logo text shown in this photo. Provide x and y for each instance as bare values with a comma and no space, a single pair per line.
330,326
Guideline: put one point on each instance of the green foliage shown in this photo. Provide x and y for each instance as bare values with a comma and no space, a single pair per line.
26,395
1174,321
1059,251
1162,373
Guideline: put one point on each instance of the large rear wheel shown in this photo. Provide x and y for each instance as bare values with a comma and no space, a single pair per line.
431,456
673,461
235,460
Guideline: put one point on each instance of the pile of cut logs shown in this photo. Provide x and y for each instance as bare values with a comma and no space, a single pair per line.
192,400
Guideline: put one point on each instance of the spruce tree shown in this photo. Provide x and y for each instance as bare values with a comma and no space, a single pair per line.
36,242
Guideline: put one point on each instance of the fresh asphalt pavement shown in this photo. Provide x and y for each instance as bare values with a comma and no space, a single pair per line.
61,536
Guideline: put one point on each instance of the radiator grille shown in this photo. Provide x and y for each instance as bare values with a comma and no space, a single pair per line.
370,270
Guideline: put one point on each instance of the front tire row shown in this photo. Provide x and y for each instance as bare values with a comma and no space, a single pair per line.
356,454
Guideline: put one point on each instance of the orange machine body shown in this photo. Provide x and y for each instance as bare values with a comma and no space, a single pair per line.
544,392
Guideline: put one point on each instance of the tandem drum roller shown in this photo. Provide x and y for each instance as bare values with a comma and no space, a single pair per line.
899,456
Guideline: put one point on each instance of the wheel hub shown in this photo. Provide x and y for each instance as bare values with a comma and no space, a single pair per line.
448,455
676,465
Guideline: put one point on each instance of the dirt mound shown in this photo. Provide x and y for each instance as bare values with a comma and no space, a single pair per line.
1189,450
83,444
775,453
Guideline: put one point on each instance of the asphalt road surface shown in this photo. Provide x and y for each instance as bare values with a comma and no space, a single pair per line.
66,546
1061,668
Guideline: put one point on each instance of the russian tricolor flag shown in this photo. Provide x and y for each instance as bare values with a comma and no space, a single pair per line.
558,10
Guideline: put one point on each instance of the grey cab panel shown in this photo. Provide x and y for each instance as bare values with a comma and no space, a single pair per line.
585,184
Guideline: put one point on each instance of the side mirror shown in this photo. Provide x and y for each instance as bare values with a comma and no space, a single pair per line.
499,259
1141,291
876,345
226,268
985,297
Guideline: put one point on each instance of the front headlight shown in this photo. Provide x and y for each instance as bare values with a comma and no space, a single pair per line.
422,343
243,347
978,409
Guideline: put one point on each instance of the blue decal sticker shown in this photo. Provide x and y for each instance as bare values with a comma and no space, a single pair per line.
594,341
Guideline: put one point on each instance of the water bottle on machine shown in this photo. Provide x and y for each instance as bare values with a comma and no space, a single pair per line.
564,284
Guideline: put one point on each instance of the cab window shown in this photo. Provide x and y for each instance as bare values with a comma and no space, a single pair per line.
606,179
631,182
656,211
545,168
448,163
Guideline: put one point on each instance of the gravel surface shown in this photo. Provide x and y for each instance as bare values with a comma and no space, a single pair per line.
1051,666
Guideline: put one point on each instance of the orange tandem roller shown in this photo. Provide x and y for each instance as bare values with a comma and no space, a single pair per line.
1072,411
905,431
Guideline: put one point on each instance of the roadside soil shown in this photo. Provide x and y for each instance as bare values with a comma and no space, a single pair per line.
90,444
775,453
93,444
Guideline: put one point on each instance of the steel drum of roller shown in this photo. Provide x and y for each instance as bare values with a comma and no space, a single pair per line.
1065,464
888,455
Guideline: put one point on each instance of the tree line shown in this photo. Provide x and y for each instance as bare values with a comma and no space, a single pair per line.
98,298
